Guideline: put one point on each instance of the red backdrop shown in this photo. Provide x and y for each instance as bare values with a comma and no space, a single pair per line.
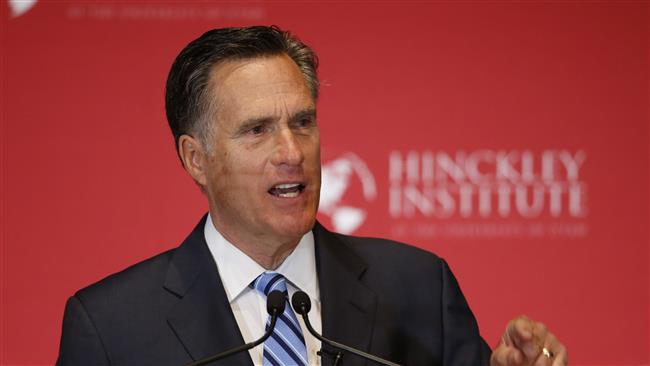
510,138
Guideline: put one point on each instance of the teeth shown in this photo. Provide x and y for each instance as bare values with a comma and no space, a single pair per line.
287,190
287,185
289,194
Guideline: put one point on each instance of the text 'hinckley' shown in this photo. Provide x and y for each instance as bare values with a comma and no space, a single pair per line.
487,183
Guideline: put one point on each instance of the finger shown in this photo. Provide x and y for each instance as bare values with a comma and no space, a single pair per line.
561,355
543,360
555,354
504,355
550,358
543,343
547,356
561,361
521,331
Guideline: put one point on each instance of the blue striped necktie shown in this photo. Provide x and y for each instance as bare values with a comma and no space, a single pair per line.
286,346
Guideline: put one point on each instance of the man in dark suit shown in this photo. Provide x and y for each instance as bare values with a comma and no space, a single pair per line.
241,103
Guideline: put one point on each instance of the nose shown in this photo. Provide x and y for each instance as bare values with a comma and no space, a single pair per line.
288,150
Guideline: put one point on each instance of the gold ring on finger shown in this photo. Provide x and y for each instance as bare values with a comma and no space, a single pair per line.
547,353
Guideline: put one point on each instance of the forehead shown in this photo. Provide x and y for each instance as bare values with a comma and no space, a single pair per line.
241,88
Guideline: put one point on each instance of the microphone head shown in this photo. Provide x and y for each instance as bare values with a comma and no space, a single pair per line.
301,303
275,302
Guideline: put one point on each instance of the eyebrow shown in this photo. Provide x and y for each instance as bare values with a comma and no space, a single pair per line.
252,122
308,112
255,121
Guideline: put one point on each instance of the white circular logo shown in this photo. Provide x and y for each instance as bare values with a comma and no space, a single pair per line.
337,177
20,7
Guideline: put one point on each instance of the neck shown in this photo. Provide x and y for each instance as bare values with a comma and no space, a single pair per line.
266,251
268,260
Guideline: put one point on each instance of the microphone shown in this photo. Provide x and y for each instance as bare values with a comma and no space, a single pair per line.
301,305
275,303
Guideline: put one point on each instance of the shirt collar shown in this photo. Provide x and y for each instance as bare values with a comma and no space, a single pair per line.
237,270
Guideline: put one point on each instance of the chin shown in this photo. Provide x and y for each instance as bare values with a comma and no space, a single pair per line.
295,227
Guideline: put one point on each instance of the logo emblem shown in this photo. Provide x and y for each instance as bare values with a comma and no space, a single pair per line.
337,177
20,7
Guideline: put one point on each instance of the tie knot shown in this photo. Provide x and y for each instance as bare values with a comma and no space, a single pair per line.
269,281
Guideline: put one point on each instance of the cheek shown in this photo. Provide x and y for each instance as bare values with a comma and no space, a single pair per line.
311,147
243,173
225,161
218,173
314,159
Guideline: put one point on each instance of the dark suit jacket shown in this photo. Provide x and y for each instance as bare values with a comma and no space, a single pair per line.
389,299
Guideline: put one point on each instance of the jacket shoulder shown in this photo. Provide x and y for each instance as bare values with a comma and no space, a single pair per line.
134,280
390,253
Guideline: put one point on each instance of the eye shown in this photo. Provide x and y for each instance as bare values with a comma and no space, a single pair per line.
256,130
305,122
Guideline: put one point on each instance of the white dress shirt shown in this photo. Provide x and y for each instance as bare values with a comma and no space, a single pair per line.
237,271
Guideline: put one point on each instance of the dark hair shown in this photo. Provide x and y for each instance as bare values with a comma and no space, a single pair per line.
187,97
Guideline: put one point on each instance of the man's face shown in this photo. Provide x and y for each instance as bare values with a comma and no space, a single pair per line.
263,170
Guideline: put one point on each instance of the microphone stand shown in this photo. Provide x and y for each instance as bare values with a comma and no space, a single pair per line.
241,348
342,346
303,309
275,306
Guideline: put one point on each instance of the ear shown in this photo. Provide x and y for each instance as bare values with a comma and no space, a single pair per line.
194,158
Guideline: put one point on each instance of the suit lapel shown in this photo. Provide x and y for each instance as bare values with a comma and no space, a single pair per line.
348,306
205,325
202,319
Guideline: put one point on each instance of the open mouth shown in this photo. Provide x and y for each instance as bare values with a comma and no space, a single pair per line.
287,190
